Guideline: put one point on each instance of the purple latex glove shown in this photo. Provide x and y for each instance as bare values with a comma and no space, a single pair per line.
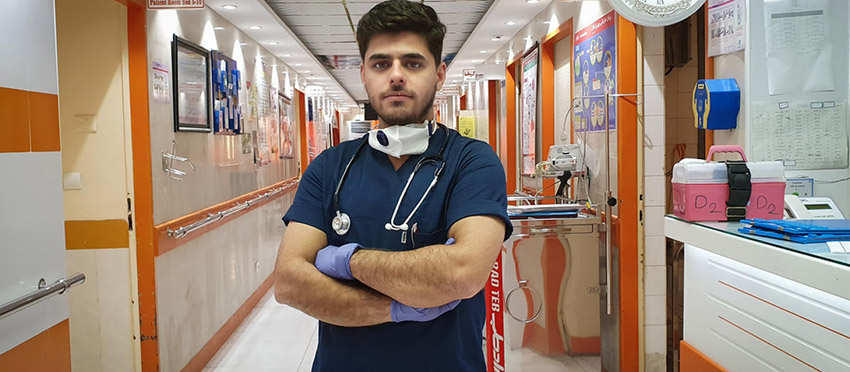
403,313
335,262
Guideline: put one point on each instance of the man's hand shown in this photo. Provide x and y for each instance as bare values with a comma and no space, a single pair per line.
335,262
403,313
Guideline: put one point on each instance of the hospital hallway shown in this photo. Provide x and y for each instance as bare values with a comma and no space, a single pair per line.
424,185
279,338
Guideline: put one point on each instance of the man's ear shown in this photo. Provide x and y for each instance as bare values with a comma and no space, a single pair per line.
441,75
362,74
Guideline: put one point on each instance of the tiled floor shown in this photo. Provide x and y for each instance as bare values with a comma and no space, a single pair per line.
273,337
279,338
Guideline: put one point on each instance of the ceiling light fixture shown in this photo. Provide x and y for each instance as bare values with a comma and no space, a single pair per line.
243,44
532,1
256,27
287,55
510,23
273,43
218,28
546,22
229,6
483,51
297,65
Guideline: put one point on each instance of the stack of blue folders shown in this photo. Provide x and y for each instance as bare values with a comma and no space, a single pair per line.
799,231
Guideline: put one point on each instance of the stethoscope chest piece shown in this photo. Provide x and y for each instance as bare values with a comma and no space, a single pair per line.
341,223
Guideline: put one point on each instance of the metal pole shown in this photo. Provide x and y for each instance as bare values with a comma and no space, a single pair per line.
608,229
59,287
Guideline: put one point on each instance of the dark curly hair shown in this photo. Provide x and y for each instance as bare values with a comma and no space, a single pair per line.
394,16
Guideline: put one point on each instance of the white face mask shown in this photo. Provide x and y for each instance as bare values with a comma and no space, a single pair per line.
401,140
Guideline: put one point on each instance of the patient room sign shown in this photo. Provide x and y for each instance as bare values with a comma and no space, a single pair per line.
175,4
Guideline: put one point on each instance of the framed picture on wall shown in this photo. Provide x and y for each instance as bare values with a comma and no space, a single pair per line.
287,131
191,67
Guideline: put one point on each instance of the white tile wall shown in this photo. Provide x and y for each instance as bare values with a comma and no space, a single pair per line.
655,280
653,70
653,158
655,251
654,103
654,191
656,339
653,130
654,225
655,309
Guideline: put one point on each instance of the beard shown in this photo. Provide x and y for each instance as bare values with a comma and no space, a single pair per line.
399,113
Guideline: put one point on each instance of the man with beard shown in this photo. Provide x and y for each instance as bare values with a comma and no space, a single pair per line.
391,237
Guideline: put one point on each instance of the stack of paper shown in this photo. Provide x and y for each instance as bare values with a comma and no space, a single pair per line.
799,231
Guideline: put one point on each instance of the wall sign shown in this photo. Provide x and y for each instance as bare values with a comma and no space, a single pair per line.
529,110
595,74
175,4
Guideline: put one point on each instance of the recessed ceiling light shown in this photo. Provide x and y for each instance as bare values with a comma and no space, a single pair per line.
483,51
287,55
273,43
532,1
546,22
243,44
510,23
496,38
256,27
218,28
307,71
229,6
297,65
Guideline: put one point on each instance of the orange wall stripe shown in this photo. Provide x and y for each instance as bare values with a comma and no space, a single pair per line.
44,121
97,234
627,184
142,183
302,129
692,360
492,113
14,120
510,126
463,102
48,351
166,243
215,343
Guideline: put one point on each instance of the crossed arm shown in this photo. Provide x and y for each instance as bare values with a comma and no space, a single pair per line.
425,277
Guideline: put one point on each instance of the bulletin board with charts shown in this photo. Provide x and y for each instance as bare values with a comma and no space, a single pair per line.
801,134
529,110
595,74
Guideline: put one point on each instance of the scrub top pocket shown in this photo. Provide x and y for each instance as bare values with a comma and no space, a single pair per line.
423,239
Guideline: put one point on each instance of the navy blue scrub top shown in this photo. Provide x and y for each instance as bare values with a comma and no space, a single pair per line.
472,183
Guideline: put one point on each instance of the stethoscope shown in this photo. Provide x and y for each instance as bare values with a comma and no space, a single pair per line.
341,223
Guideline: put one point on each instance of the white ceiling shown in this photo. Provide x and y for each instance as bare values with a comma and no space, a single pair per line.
304,29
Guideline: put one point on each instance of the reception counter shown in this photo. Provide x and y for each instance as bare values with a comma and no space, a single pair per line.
761,304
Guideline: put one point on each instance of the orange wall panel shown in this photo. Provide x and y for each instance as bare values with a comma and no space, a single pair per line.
49,351
44,121
14,121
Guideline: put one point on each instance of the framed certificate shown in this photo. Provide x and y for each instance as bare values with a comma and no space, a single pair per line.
191,67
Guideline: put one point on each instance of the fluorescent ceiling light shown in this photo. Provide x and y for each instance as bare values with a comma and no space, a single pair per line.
229,6
287,55
273,43
483,51
510,23
255,27
532,1
218,28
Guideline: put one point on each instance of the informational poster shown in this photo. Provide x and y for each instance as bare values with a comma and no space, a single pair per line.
466,126
726,21
799,47
287,129
803,135
160,81
595,75
529,110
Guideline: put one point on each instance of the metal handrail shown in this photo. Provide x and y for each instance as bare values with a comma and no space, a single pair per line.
214,217
42,293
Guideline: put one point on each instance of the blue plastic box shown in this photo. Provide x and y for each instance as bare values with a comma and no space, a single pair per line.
716,104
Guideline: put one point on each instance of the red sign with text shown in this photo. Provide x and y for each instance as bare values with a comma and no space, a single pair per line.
495,319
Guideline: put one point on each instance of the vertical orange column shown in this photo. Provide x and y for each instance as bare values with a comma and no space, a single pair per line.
547,88
510,125
142,183
492,113
627,188
302,129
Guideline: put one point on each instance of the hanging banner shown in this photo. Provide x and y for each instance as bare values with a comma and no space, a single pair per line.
175,4
529,110
495,321
595,74
726,20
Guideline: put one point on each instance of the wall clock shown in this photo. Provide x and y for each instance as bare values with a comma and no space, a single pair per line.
656,13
